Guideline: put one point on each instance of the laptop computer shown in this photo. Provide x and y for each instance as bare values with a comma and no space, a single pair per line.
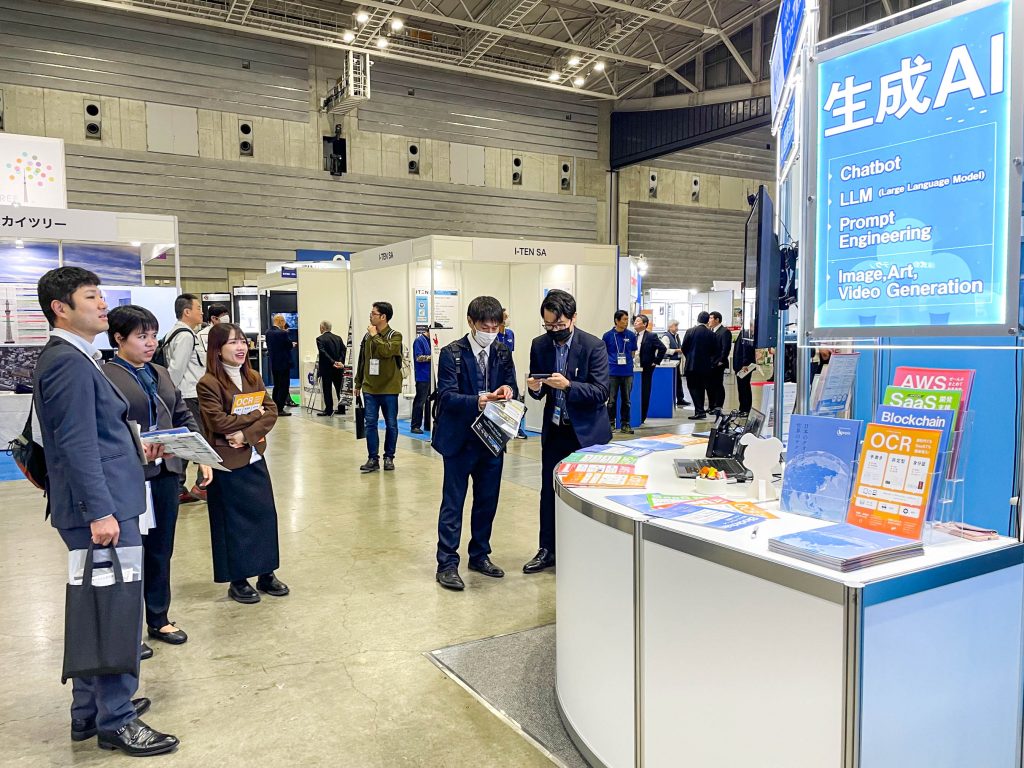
688,469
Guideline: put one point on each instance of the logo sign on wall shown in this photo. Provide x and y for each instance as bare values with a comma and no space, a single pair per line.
913,178
32,171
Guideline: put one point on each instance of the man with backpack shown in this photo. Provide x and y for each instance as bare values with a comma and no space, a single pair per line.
182,355
378,376
473,371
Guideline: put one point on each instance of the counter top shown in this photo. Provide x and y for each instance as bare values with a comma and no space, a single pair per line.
747,548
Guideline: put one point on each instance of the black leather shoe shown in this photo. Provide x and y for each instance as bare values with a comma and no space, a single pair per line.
450,579
389,464
272,586
243,593
487,568
416,431
627,430
145,652
697,416
371,465
282,413
138,740
177,637
86,729
543,559
325,413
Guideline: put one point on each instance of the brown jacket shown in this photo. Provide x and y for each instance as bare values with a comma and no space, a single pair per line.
215,406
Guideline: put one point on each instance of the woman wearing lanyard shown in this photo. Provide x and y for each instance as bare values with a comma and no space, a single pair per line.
243,518
154,403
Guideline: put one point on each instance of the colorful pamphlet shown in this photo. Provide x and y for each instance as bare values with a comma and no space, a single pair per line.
580,466
650,445
960,379
662,500
603,480
615,449
921,418
833,387
820,456
927,399
599,458
895,480
246,402
680,441
709,517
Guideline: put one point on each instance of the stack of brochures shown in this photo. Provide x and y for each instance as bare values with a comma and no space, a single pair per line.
845,547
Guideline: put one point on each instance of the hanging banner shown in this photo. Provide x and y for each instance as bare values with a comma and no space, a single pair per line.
784,47
914,172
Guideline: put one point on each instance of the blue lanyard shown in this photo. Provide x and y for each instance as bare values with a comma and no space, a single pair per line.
150,390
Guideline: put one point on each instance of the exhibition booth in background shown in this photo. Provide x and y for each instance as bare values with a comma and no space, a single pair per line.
899,150
431,280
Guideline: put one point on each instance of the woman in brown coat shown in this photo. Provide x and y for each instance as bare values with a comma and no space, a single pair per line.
243,518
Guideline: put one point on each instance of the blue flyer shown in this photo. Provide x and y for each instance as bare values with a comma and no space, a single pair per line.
820,456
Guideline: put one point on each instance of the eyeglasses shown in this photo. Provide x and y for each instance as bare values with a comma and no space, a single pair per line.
376,314
564,325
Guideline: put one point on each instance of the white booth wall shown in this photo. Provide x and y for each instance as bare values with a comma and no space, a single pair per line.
323,294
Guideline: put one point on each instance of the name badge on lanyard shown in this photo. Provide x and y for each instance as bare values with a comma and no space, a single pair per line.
621,360
375,367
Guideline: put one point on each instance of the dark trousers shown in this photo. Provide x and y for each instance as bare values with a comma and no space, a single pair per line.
744,392
646,380
695,382
680,392
420,411
193,406
716,387
330,382
477,462
107,698
556,443
376,405
620,388
282,395
158,547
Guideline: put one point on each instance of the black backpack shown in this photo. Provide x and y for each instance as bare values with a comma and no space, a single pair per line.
503,353
28,454
162,354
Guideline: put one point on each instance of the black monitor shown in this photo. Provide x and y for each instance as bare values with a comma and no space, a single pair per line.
761,270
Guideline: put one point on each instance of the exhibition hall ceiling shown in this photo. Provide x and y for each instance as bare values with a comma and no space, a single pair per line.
603,49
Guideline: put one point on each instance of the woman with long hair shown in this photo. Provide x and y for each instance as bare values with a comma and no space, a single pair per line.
153,403
243,518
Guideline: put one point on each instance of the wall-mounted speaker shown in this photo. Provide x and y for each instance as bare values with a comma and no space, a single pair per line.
517,170
93,120
652,186
695,188
565,175
246,135
1,110
335,155
414,159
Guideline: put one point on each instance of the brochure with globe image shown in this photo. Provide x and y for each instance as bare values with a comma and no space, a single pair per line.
845,547
820,459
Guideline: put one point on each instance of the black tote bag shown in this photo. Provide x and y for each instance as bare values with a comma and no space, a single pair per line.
360,419
101,624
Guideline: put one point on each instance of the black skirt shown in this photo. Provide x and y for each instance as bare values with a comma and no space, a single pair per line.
243,523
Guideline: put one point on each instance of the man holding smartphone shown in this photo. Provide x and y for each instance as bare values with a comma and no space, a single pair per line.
471,372
569,371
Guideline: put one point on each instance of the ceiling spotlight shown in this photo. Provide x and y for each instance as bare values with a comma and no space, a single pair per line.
554,77
599,66
397,25
579,80
362,17
574,61
348,36
382,42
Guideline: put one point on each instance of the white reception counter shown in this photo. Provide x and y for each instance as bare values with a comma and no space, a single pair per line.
680,645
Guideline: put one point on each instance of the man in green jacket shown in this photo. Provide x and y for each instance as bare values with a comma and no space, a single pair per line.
379,378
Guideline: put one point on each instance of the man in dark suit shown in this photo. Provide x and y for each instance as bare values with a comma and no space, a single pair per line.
330,365
716,378
95,484
472,372
574,387
699,346
650,351
279,350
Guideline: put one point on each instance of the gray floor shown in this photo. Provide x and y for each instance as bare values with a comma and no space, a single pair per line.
515,675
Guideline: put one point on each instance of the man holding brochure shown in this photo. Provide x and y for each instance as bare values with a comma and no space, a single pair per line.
472,373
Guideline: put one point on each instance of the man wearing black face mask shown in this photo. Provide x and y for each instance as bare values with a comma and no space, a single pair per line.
569,371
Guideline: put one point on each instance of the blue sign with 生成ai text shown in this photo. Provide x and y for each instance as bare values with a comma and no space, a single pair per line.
913,170
787,137
787,33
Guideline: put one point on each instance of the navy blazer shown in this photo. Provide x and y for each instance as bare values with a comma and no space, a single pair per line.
458,393
587,369
92,458
652,350
701,349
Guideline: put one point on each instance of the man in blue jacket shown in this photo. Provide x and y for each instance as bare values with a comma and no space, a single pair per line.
569,371
620,342
473,371
95,485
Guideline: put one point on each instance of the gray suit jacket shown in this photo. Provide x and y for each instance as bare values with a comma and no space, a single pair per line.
92,456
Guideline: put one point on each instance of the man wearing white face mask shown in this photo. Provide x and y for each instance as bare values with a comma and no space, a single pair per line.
472,372
217,314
